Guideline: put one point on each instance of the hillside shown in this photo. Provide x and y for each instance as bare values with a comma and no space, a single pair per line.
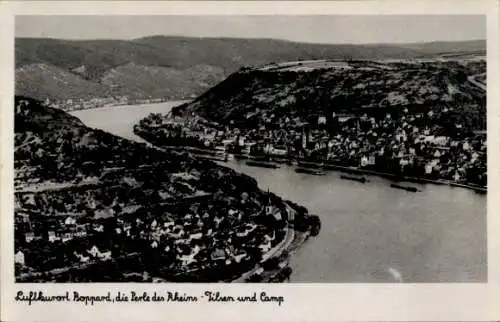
46,136
47,81
140,81
93,207
448,47
422,119
307,90
175,67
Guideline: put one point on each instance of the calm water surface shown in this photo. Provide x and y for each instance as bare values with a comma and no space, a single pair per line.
119,120
368,230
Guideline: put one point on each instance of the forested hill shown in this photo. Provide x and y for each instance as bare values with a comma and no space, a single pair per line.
304,91
54,146
174,67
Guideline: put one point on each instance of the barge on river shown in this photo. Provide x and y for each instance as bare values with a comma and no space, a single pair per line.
314,172
262,164
353,178
407,188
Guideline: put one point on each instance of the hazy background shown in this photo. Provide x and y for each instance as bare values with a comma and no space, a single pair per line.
339,29
180,57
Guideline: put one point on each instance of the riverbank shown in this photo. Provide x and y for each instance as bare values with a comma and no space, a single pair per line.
281,253
393,176
118,105
216,156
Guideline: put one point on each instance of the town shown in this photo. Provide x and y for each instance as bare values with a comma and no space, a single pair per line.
440,137
71,104
127,212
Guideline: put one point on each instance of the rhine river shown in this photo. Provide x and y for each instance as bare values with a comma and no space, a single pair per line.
370,232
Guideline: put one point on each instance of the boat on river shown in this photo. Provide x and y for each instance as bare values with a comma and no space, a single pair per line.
262,164
407,188
353,178
212,158
310,165
314,172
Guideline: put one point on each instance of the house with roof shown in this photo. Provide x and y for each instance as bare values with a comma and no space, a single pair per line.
29,236
168,224
70,221
105,255
29,199
52,237
218,254
239,256
104,213
196,236
67,236
144,235
80,231
19,258
94,251
217,221
265,247
83,259
189,259
177,233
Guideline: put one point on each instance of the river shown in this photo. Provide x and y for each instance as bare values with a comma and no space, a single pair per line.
370,232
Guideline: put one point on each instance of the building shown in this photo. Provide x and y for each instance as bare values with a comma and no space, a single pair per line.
19,258
70,221
52,236
94,251
29,236
278,151
105,255
67,237
269,206
83,259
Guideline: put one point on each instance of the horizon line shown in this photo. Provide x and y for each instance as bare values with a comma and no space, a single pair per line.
256,38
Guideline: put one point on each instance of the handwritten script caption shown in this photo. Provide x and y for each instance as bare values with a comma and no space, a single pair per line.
31,297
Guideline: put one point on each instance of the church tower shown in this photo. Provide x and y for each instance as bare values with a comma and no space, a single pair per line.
269,207
304,139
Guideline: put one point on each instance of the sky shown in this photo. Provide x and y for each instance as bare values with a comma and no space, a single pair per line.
314,29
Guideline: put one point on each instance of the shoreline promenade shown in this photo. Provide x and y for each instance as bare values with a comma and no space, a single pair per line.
333,167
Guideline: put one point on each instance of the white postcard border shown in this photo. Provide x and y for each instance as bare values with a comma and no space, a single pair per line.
303,302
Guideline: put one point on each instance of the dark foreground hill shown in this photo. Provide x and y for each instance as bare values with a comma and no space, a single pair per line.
92,207
174,67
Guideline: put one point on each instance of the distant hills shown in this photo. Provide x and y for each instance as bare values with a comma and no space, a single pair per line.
175,67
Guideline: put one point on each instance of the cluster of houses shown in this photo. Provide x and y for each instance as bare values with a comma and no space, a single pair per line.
203,235
96,102
411,139
93,254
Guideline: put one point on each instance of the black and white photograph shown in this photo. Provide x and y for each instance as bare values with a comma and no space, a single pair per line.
246,161
250,149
